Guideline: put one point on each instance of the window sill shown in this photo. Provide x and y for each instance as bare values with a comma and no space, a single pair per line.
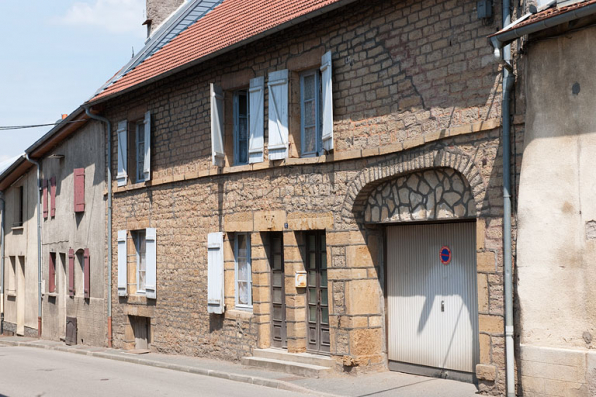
11,294
239,314
18,228
51,294
137,299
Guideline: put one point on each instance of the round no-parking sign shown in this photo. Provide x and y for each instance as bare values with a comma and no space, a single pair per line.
445,255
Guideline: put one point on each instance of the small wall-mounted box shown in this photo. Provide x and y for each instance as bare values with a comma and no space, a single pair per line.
484,9
300,279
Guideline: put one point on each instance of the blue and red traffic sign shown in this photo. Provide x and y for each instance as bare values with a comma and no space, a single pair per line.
445,255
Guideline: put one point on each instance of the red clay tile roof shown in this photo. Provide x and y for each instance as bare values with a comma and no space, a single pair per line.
231,22
547,14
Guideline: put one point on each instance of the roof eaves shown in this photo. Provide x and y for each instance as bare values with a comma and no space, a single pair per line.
509,34
71,118
14,166
227,49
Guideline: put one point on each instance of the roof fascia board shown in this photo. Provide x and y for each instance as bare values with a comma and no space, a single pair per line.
70,124
14,172
215,54
500,40
161,33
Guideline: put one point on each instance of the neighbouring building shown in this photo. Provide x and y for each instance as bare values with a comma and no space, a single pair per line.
18,184
73,233
556,240
319,176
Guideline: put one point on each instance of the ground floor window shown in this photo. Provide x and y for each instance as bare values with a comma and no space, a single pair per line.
243,271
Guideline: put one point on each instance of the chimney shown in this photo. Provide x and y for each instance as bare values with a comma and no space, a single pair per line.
64,116
158,11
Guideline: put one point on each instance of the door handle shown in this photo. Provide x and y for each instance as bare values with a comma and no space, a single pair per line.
442,306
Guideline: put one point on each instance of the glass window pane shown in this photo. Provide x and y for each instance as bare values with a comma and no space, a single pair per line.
277,296
242,103
312,260
243,271
324,278
277,279
276,245
277,262
311,242
241,245
309,114
323,260
324,315
309,140
323,242
312,314
141,281
243,293
312,296
312,278
309,87
324,297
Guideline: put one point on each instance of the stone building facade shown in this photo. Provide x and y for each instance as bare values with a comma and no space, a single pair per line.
416,133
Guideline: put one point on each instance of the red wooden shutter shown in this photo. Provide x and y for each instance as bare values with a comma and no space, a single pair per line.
71,260
52,273
79,189
53,196
44,196
86,274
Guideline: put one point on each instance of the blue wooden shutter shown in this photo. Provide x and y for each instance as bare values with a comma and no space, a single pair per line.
278,115
217,125
122,264
215,276
147,165
122,176
256,120
151,263
327,91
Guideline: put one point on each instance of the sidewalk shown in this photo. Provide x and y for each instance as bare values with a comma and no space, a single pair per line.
378,384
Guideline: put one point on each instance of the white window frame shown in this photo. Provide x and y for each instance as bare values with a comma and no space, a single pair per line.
140,157
249,264
237,126
137,234
318,130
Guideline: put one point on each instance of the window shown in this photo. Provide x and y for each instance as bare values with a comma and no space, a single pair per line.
140,152
241,120
12,274
141,259
243,271
19,216
139,156
52,273
310,113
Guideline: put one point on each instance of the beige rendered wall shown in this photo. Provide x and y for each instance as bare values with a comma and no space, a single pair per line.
22,241
557,215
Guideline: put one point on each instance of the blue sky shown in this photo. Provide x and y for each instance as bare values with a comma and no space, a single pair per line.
55,55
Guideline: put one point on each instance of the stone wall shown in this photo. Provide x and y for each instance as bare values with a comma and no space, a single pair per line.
413,91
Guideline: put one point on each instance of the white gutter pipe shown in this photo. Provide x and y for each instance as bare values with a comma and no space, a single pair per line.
3,209
38,242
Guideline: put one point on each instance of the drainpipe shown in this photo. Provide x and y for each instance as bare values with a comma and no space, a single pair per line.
508,82
2,208
38,242
109,126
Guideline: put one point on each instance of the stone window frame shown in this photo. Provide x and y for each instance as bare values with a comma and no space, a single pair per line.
248,281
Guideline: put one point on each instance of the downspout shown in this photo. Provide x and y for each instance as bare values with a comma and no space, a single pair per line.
2,208
508,82
38,242
109,133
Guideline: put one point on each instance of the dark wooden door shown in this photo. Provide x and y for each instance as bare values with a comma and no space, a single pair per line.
317,292
278,291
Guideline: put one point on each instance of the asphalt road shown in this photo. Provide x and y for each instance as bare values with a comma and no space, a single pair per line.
36,373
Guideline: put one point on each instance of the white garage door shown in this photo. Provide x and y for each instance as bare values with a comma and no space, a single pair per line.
433,314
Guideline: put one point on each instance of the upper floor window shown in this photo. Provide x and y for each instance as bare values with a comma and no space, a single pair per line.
310,113
243,271
135,162
141,259
241,125
140,150
19,215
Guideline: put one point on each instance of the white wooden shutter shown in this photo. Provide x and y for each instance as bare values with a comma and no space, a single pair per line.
217,125
215,276
122,268
278,115
122,175
256,119
147,165
151,263
327,88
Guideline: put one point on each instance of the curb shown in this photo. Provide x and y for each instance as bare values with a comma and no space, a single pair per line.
253,380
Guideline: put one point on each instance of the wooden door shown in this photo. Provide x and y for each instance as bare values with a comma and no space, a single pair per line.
278,292
317,293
